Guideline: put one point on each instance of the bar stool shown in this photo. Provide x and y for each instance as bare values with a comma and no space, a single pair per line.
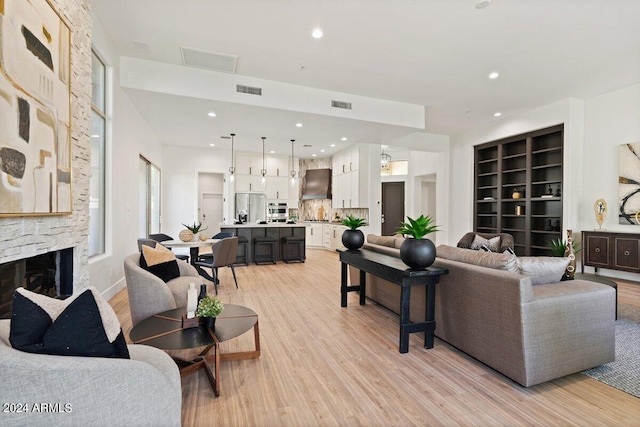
243,251
265,242
293,249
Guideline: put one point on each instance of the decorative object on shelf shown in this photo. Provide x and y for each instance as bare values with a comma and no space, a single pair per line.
549,190
418,253
385,161
189,320
556,227
263,171
558,193
186,235
600,209
516,194
548,226
293,168
629,183
232,168
353,238
208,309
519,210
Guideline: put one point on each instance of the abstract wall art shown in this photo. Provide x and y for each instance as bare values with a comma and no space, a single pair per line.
35,113
629,183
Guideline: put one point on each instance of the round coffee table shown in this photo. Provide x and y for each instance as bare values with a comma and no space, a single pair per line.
164,331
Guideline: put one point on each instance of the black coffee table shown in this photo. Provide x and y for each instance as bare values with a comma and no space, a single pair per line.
164,331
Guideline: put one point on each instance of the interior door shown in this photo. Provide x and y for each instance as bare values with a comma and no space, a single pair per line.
211,212
392,207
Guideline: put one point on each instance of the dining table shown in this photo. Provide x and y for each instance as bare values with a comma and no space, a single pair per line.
194,250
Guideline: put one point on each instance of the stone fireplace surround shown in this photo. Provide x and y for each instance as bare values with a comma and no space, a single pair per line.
24,237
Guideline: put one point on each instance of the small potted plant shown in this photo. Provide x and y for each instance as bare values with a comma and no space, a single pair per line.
559,246
418,253
353,238
191,231
209,308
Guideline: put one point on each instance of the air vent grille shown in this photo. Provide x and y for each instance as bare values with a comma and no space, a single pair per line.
208,60
341,104
249,89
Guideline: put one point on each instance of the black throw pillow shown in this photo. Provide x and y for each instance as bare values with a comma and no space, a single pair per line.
83,325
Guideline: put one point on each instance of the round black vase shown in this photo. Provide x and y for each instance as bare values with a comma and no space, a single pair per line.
352,239
210,322
418,254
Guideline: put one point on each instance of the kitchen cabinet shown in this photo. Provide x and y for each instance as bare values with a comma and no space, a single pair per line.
278,166
333,236
248,164
249,184
615,251
314,235
278,188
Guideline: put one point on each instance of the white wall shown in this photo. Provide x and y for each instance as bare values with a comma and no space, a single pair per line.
128,136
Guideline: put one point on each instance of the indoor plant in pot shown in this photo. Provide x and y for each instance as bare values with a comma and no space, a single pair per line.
191,231
353,238
208,308
418,253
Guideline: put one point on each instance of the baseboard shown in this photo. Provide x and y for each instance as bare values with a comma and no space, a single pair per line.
114,289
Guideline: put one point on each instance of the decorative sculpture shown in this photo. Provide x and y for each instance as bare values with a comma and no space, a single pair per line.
568,252
600,209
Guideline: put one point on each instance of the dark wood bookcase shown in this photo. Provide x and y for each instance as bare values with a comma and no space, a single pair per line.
531,165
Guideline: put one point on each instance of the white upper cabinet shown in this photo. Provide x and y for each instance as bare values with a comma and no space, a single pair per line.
278,165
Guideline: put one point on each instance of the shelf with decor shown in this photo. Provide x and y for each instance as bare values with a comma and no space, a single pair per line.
518,188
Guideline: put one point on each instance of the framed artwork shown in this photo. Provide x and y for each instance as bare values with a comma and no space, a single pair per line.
35,110
629,183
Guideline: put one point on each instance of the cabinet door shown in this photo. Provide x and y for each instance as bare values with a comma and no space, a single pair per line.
243,163
277,166
354,163
626,254
598,250
354,187
278,188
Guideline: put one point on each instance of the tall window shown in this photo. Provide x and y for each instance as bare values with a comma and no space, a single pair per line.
97,133
149,177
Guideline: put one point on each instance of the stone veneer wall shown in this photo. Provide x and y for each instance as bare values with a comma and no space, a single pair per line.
23,237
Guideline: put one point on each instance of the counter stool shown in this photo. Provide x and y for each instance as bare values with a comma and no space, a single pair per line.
265,242
243,251
293,248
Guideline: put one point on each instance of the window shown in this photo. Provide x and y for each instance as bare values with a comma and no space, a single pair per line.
97,137
149,198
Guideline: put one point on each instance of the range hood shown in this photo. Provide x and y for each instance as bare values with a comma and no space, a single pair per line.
317,184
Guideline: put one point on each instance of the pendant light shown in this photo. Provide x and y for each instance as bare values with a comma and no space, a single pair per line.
264,164
385,161
232,169
293,168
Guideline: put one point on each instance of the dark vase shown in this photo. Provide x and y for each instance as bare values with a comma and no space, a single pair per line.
418,254
210,322
203,293
352,239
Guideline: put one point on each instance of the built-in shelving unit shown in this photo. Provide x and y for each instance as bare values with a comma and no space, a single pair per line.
518,189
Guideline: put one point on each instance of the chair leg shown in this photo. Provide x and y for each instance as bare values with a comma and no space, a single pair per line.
233,270
215,274
215,279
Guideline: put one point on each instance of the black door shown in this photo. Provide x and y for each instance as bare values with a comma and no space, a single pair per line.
392,207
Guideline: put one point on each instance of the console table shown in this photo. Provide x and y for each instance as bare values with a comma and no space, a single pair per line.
615,251
394,270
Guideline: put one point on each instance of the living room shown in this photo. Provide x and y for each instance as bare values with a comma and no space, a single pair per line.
596,122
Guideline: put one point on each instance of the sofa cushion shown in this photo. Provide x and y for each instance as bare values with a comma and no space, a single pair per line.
381,240
160,261
492,244
543,269
82,325
484,259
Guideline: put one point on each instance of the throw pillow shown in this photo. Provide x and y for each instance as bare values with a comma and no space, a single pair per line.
543,269
493,244
160,262
82,325
484,259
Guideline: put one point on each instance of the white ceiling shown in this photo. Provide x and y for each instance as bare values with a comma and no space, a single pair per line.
436,53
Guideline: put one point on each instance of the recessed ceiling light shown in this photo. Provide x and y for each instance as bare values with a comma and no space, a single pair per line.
482,4
494,75
211,114
317,33
498,114
298,125
322,151
344,138
332,145
313,155
272,152
95,136
212,145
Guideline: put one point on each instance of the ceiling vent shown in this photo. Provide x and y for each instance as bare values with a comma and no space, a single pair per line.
208,60
249,89
341,104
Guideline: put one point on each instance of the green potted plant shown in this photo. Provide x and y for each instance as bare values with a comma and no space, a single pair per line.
353,238
416,251
559,246
191,231
209,308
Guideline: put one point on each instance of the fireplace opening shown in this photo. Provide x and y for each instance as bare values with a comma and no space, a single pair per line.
49,274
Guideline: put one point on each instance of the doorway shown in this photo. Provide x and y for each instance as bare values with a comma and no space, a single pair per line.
392,207
210,201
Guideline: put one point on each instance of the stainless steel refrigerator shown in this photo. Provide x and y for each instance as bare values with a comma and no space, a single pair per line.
252,206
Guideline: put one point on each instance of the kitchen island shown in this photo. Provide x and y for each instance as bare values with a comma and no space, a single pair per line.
279,231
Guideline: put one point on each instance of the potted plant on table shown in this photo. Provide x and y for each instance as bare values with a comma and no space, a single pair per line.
566,248
191,231
209,308
353,238
416,251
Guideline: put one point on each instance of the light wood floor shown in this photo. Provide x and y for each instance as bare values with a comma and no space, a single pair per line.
326,365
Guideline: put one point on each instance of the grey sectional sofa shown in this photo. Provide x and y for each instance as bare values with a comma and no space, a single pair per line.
530,333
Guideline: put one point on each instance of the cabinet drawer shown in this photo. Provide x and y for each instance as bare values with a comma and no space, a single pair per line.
626,254
597,251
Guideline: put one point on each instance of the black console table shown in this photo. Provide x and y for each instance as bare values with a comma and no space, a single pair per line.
394,270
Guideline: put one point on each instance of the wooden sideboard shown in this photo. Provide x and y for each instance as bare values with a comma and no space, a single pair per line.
616,251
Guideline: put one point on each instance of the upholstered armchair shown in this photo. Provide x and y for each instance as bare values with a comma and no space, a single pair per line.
506,240
149,295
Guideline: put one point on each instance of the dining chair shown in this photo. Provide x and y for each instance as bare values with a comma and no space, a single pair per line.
224,253
208,256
